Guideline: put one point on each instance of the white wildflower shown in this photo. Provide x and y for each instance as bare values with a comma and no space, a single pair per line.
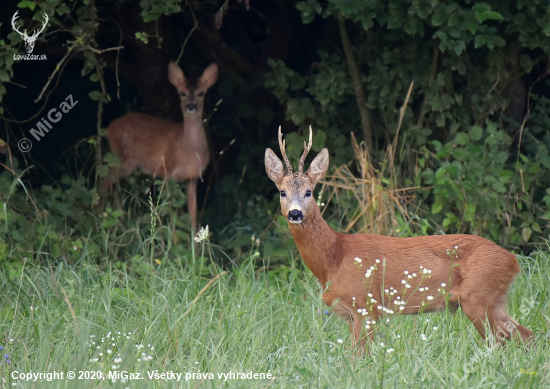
202,234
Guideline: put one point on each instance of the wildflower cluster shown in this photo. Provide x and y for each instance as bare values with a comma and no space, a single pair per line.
6,356
368,323
371,269
452,253
202,234
105,352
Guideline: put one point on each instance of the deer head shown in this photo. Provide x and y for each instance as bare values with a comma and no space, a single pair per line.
296,189
192,94
29,40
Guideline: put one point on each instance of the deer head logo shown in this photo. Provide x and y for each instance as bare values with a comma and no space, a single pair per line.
29,40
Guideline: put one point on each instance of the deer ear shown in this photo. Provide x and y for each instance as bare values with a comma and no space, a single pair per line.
209,76
274,167
318,167
175,75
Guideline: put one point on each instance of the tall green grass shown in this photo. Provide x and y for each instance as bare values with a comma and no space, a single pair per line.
172,319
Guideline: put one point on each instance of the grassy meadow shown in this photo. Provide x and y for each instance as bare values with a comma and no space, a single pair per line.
175,319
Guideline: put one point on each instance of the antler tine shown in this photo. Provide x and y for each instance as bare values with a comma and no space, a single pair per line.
305,153
44,25
13,20
282,144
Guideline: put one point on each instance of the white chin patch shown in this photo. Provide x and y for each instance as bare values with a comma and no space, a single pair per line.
295,221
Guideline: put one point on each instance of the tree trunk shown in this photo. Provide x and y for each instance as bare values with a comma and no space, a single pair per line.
357,85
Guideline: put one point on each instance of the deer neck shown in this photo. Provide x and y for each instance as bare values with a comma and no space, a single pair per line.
193,131
318,244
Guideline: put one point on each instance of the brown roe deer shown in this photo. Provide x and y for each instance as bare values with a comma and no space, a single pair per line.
164,148
366,276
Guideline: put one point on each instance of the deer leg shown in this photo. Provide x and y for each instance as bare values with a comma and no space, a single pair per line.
192,202
479,309
108,180
115,173
355,328
506,326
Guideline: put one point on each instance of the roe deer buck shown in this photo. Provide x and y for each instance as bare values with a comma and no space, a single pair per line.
367,276
164,148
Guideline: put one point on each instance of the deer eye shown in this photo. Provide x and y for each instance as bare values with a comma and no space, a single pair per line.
200,94
283,193
183,94
308,193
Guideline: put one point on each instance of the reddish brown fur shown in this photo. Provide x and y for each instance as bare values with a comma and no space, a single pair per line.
164,148
476,273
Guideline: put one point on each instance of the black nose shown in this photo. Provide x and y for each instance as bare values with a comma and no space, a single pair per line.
191,107
295,215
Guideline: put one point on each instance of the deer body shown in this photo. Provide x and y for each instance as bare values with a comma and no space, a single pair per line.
163,148
373,276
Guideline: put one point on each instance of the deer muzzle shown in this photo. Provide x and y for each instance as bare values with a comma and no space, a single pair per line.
295,216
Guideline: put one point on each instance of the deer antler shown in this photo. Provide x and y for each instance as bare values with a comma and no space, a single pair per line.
305,153
282,144
36,33
15,16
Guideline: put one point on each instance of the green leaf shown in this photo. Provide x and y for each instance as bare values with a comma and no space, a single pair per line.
471,24
62,10
27,4
489,15
454,20
319,139
103,170
526,233
469,212
436,208
462,139
142,36
95,95
439,19
499,41
479,41
367,23
410,27
476,132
